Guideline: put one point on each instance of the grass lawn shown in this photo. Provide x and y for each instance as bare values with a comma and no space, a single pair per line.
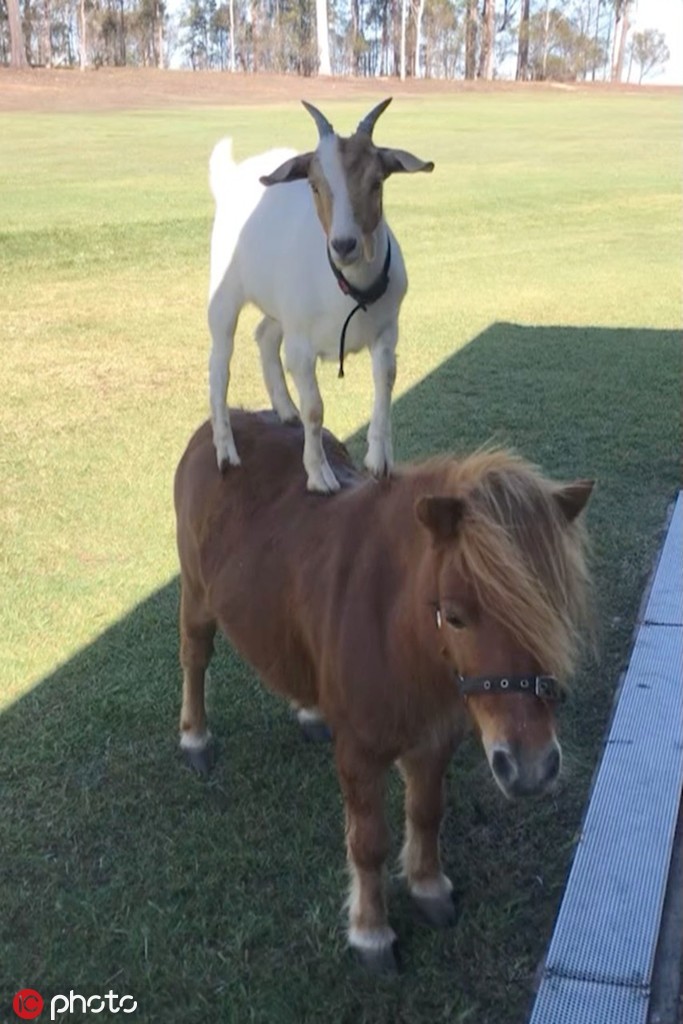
544,310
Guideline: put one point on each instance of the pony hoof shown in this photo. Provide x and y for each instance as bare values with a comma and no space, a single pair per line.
202,760
384,960
316,731
437,912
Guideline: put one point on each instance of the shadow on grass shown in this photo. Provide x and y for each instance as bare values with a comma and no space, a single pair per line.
221,901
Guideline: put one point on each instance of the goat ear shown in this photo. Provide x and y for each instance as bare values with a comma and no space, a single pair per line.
290,170
441,516
398,161
573,498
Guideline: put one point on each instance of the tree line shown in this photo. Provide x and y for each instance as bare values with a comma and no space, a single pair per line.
565,40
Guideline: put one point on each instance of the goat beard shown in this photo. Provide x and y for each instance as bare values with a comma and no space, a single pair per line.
368,248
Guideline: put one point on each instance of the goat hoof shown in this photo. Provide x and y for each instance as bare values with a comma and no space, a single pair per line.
316,731
201,760
226,465
384,960
439,912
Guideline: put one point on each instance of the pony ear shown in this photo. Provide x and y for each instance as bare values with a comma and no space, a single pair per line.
398,161
290,170
441,516
573,498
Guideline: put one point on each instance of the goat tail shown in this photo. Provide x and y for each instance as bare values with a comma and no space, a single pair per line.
220,166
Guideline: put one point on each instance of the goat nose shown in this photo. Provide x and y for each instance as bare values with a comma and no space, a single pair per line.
343,246
504,767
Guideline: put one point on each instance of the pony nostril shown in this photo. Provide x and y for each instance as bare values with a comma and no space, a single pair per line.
552,765
343,246
503,767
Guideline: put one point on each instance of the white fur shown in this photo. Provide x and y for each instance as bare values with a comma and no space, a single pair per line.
431,889
306,716
269,248
194,741
372,939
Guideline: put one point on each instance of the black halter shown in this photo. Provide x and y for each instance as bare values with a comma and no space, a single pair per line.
364,297
544,687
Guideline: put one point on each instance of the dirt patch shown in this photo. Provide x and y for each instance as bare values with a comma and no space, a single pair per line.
52,91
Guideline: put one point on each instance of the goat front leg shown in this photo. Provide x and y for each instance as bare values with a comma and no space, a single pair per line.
301,364
380,457
362,783
223,314
423,772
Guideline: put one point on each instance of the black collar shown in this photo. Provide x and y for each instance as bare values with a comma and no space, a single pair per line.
363,297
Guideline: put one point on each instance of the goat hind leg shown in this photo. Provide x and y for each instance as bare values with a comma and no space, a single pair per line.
223,314
269,338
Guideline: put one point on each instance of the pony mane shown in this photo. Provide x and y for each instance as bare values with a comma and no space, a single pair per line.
527,563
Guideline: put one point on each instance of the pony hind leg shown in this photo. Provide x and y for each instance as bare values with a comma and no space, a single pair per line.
367,840
312,724
197,633
269,339
423,772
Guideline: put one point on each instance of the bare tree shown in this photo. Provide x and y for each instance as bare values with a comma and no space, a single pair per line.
16,35
323,37
471,33
488,24
83,35
417,67
404,18
622,14
523,47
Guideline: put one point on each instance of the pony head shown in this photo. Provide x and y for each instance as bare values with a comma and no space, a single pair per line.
508,549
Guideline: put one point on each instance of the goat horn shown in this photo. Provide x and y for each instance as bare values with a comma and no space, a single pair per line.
367,125
324,126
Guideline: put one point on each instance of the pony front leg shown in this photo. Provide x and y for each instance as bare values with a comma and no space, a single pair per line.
423,773
196,647
301,364
367,840
380,457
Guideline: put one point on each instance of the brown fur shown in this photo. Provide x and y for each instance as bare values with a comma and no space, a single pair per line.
332,602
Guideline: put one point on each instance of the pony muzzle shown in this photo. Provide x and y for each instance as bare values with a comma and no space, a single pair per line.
522,773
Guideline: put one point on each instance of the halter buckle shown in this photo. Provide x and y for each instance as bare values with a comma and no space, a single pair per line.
546,688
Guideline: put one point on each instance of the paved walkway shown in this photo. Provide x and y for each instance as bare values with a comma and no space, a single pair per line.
600,962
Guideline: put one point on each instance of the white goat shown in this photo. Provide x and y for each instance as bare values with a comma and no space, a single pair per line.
308,254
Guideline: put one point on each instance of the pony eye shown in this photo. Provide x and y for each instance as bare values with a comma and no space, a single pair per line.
376,186
314,188
455,621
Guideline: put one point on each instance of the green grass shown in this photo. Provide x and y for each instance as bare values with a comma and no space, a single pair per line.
558,213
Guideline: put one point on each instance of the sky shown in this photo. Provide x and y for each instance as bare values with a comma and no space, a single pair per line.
667,16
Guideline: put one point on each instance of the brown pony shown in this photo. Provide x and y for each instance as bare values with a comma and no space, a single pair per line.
394,612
